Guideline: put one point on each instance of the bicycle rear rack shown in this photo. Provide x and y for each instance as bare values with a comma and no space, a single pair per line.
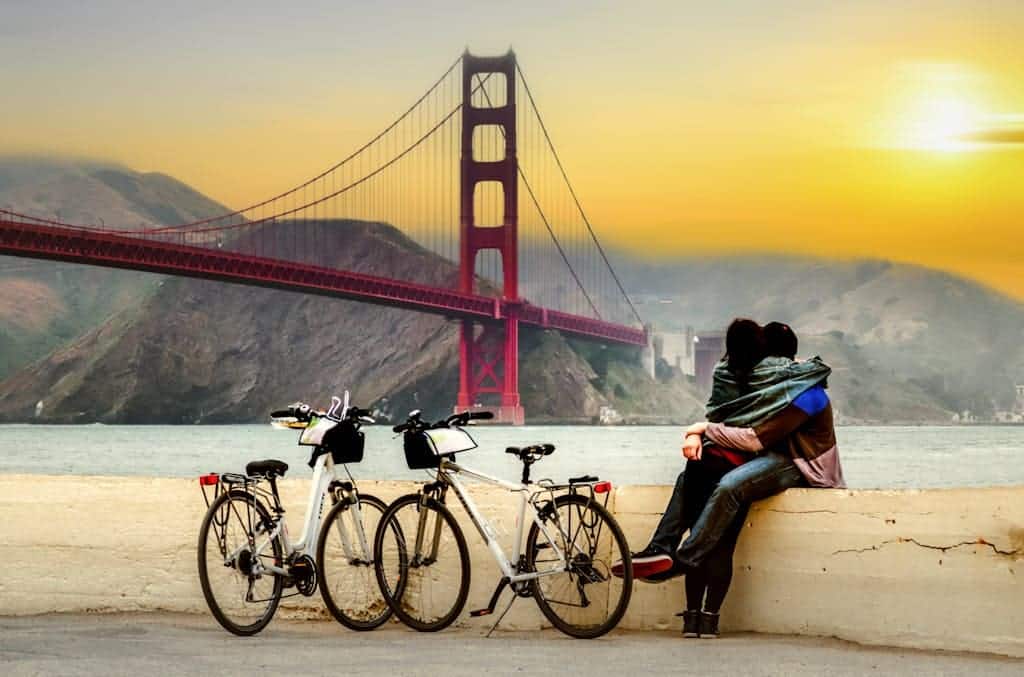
587,485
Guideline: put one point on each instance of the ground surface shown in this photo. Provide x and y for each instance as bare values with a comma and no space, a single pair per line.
158,644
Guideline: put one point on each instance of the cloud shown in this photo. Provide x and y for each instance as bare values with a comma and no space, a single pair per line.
1014,137
1009,133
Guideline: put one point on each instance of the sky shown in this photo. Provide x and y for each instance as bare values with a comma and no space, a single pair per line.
841,129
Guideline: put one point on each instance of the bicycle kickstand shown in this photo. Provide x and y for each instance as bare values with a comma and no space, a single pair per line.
489,609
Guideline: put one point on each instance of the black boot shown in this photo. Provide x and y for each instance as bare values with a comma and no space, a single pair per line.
708,625
691,623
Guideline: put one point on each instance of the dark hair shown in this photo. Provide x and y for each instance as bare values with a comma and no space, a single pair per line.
780,340
744,346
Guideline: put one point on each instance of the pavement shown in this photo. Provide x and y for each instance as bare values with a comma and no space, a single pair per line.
155,644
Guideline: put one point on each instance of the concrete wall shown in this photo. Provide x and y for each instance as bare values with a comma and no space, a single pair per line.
930,569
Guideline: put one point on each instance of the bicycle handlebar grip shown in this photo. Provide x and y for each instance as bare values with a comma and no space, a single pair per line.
400,428
482,415
298,410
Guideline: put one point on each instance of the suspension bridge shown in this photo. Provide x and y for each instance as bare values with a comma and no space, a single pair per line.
469,172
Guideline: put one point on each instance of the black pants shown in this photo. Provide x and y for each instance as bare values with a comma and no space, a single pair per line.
708,584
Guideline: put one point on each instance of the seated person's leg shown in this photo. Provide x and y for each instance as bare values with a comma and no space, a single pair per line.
692,489
696,584
671,526
698,482
719,564
760,478
713,576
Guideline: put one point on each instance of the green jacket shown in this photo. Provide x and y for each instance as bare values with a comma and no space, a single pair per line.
773,384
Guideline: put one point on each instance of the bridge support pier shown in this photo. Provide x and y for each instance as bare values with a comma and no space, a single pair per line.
489,351
488,368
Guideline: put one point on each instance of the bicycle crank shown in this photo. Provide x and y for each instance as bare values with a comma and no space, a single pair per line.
302,574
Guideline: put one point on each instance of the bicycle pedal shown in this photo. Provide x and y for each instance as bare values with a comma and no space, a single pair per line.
489,609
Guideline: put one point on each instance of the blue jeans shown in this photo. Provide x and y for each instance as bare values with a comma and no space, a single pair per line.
689,496
765,476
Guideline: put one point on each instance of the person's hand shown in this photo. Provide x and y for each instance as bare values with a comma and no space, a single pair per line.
692,447
698,428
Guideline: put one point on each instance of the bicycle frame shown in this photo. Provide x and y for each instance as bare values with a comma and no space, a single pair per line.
448,472
324,476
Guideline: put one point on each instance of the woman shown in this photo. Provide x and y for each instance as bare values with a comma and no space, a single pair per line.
706,585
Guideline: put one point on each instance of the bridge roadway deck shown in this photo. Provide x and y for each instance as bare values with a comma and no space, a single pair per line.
111,250
175,644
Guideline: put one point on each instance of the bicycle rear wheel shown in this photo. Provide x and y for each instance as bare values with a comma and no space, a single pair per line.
422,563
344,558
232,546
583,599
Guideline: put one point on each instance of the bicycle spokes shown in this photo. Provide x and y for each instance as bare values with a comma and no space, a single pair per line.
582,599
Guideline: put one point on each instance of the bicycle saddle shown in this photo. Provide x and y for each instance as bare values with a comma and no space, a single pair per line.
269,468
532,450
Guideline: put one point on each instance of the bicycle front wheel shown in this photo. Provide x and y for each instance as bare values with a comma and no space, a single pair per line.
580,597
422,563
344,558
234,545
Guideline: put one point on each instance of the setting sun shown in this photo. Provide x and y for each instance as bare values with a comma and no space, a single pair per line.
938,108
942,123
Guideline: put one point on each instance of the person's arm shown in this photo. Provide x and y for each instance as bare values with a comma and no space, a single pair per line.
777,428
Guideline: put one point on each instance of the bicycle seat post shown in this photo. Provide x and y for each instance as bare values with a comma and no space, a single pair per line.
526,469
272,478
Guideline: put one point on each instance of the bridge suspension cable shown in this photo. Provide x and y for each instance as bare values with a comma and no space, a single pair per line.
406,176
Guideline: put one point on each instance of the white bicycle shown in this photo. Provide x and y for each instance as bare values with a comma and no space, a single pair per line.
422,562
247,559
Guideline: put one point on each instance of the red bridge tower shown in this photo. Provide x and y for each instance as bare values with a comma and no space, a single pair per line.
489,351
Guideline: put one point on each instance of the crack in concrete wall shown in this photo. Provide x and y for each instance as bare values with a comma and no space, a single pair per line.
941,548
876,515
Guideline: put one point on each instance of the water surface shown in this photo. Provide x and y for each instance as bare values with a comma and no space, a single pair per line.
873,457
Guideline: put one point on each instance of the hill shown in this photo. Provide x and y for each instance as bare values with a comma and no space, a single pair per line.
125,347
44,304
904,331
908,344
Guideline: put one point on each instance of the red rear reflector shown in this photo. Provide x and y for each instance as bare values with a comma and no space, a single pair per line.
602,487
208,480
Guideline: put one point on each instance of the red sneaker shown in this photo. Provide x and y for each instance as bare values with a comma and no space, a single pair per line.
647,562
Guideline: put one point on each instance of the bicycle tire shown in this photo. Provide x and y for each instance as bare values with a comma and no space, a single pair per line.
217,607
584,566
370,613
399,594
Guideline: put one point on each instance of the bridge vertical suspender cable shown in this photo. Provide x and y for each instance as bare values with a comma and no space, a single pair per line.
547,224
572,192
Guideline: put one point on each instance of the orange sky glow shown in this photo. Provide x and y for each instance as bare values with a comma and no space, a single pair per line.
867,129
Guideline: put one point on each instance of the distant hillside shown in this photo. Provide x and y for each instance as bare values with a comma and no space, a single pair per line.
920,343
92,344
198,351
44,304
907,344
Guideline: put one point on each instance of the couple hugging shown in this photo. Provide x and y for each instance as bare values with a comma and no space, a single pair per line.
769,427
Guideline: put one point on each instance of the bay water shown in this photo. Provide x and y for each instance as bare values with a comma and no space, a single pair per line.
874,457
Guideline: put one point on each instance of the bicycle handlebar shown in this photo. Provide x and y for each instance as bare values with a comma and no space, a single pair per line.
414,422
466,416
303,413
